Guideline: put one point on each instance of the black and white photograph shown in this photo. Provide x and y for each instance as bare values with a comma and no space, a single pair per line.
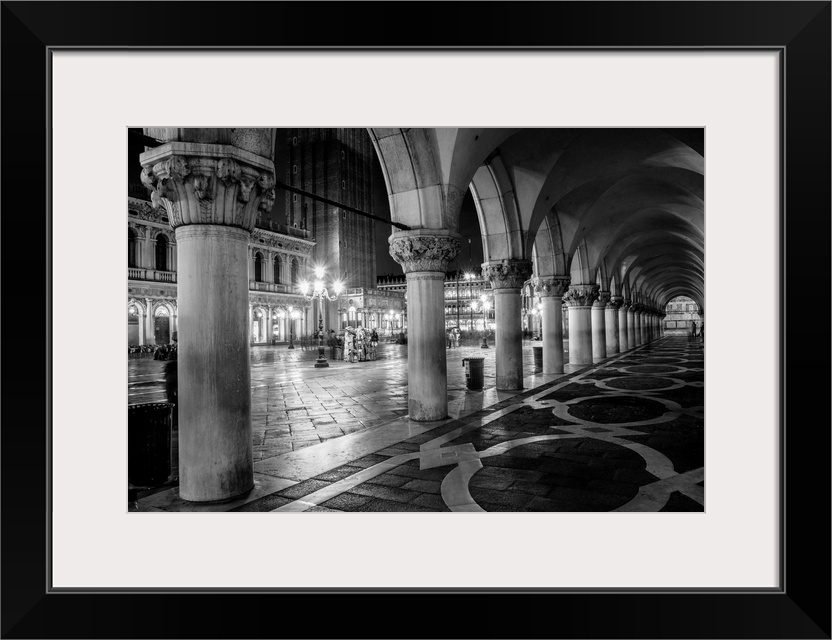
416,319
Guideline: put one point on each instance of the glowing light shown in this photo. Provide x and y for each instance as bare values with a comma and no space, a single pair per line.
319,273
338,287
319,286
304,287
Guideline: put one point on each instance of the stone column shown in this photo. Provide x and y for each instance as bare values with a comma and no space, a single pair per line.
637,310
269,324
149,327
424,256
644,325
551,292
579,299
212,193
613,342
631,326
623,326
599,330
507,278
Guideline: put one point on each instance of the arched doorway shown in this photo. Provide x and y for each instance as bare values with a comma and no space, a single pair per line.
161,325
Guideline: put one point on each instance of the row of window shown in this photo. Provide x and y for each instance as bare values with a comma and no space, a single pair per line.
277,268
161,251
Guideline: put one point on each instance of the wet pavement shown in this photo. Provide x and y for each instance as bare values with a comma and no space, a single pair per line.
626,434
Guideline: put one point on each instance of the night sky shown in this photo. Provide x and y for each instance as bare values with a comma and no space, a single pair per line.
469,226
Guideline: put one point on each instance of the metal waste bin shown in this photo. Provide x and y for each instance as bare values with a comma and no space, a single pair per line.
148,443
538,357
473,372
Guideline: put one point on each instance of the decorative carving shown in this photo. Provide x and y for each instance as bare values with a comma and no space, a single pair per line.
148,179
555,286
245,187
424,253
202,187
615,302
267,202
265,181
603,299
508,274
228,171
177,168
580,295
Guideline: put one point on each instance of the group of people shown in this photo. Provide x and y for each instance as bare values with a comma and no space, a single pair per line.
357,345
453,338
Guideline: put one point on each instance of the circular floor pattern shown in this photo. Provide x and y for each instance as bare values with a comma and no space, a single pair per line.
615,409
652,368
639,383
662,360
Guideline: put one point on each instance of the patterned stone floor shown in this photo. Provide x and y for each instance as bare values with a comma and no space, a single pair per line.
626,434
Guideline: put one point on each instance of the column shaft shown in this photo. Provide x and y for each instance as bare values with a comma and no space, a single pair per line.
509,338
580,335
552,334
631,328
613,346
623,331
426,359
599,333
215,454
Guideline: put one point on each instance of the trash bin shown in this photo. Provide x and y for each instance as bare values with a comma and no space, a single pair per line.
148,443
538,357
473,372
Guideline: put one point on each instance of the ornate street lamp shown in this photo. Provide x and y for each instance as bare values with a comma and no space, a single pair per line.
485,306
319,290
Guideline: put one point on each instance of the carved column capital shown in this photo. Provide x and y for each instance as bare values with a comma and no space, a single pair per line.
555,286
423,252
615,302
507,274
580,295
602,300
637,307
208,184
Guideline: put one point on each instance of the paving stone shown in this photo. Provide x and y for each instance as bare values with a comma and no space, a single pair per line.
302,489
386,493
423,486
389,480
431,502
346,502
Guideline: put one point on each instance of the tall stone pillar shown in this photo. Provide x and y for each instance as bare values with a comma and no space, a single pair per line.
579,299
269,324
507,278
613,340
424,256
149,319
623,326
637,318
551,292
631,325
212,193
645,324
599,330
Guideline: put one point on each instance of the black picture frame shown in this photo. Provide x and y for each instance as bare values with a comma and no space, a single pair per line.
800,31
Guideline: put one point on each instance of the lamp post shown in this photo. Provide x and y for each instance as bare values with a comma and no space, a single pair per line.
319,290
485,306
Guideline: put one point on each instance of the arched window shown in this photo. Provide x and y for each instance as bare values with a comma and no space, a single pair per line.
258,267
132,249
161,253
277,265
295,273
